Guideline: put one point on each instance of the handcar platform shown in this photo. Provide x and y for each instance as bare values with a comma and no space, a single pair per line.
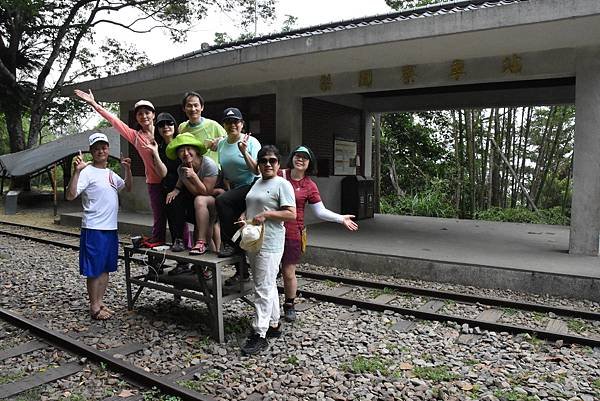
205,284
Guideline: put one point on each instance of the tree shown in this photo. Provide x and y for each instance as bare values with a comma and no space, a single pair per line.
45,45
407,4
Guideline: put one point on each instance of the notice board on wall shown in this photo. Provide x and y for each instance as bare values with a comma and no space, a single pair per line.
344,155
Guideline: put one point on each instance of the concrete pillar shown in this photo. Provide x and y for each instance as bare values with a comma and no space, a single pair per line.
367,160
585,210
288,119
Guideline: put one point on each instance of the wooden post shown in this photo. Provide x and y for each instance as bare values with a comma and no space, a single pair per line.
54,189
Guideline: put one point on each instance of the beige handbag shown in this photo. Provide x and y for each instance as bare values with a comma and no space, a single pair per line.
252,236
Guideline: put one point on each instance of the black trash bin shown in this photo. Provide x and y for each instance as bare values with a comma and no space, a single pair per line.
358,197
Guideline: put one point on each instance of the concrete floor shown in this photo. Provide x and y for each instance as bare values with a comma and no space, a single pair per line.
522,257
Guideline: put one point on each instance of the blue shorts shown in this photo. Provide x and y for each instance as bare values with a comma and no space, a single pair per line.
98,252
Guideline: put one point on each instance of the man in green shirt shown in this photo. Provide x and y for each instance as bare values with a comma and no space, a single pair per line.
205,129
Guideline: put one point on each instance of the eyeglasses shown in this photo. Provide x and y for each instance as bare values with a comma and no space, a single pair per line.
270,160
301,156
162,124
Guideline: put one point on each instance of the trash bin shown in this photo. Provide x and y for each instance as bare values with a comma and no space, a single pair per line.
10,202
358,197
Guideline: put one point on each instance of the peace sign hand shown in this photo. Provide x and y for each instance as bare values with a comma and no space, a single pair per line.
79,163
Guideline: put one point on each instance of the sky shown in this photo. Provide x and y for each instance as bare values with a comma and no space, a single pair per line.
158,47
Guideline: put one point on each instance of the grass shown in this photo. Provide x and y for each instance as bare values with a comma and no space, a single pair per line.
577,326
330,283
199,384
471,362
11,377
292,360
535,341
382,291
539,317
474,392
436,374
512,395
30,395
510,311
362,364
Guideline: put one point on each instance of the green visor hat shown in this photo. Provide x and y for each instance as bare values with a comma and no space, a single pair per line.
304,149
184,139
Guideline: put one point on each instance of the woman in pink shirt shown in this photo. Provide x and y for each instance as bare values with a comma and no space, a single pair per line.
301,165
140,139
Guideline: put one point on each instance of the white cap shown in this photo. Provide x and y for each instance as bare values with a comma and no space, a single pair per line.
143,103
98,136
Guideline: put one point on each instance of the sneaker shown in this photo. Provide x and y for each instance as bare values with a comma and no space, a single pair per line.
227,250
289,312
178,245
179,269
254,344
152,242
235,279
274,332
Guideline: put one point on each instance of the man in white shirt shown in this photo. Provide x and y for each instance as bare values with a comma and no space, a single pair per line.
99,244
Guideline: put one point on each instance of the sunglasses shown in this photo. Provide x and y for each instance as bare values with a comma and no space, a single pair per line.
163,124
270,160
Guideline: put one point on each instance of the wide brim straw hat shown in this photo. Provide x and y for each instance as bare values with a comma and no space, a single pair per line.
184,140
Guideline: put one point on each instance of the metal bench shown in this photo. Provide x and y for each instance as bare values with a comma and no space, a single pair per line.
195,286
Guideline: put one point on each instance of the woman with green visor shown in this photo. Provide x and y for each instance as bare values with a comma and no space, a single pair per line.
302,164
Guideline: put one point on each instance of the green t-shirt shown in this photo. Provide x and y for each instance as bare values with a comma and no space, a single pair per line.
207,129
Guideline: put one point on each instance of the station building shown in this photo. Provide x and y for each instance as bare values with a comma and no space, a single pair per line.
325,86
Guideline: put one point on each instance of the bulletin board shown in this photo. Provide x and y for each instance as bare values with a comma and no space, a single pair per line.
344,155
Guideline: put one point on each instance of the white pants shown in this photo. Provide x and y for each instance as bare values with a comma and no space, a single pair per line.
266,299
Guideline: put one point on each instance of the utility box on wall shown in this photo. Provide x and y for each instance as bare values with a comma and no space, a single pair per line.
358,197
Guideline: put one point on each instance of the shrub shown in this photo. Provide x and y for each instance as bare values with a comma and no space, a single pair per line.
522,215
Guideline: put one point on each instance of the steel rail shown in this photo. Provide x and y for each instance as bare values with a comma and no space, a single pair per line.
375,306
498,327
133,373
492,301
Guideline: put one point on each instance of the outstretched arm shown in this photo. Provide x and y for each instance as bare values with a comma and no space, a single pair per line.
126,132
323,213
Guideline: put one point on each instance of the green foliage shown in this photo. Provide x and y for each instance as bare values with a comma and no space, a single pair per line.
522,215
576,326
434,373
432,202
199,384
292,360
382,291
11,377
362,364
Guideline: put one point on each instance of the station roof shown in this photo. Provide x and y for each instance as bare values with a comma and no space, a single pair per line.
40,158
435,34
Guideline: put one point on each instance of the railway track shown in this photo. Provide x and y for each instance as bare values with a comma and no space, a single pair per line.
553,323
53,341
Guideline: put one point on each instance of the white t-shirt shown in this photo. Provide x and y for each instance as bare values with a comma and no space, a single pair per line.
271,194
99,188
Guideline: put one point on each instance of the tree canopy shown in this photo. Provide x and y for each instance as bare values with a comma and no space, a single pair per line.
45,45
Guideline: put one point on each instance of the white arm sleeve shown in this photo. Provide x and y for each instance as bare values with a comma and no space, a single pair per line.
325,214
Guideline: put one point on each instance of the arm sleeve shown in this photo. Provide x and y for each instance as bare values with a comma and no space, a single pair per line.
120,182
253,147
286,194
325,214
126,132
82,182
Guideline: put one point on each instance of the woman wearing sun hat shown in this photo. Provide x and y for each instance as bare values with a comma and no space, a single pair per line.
144,116
194,190
302,164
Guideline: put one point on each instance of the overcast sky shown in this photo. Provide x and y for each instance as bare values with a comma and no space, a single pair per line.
309,12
